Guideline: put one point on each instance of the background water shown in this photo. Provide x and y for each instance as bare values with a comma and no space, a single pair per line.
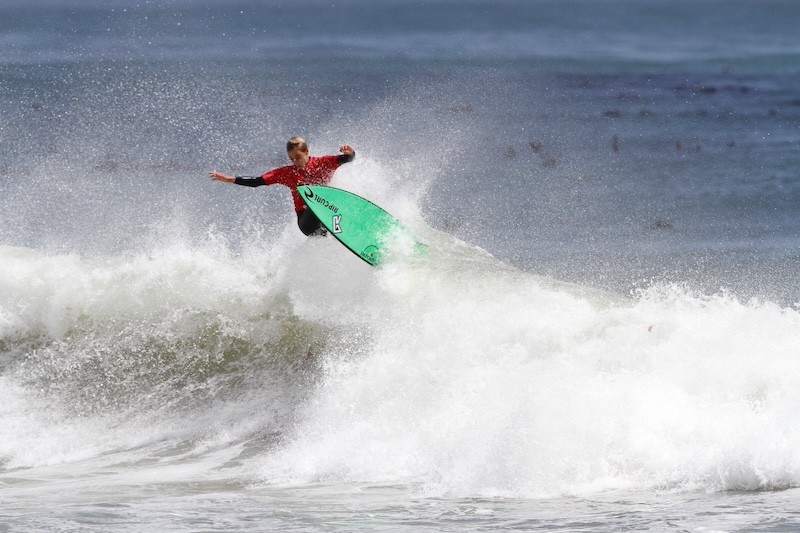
604,337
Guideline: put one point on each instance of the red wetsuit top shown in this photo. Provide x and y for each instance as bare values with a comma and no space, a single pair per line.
318,171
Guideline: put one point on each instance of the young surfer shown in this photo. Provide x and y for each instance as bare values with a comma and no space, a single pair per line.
304,170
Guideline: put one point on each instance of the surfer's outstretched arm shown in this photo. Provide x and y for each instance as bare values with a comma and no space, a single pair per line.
219,176
249,181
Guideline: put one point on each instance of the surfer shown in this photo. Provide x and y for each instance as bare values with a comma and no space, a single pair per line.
304,170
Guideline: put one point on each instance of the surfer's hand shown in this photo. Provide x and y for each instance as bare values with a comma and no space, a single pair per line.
219,176
346,149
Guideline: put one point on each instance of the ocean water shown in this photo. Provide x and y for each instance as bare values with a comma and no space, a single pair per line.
605,335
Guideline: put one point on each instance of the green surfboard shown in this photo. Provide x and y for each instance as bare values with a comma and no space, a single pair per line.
360,225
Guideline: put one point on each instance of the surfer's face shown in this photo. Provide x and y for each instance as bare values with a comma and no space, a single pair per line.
298,157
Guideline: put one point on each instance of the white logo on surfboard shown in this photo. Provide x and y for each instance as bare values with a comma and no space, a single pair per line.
335,226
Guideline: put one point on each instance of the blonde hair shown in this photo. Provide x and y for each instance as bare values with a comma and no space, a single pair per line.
296,143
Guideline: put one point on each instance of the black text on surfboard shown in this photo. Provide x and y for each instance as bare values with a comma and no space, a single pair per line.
309,194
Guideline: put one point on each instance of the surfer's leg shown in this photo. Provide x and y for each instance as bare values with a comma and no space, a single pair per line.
309,224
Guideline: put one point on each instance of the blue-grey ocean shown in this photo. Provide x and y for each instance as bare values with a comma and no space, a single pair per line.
603,336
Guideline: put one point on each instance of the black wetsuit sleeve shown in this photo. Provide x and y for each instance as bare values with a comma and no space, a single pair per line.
249,181
345,158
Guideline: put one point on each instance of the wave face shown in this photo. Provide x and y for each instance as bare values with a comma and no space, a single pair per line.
457,373
492,382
